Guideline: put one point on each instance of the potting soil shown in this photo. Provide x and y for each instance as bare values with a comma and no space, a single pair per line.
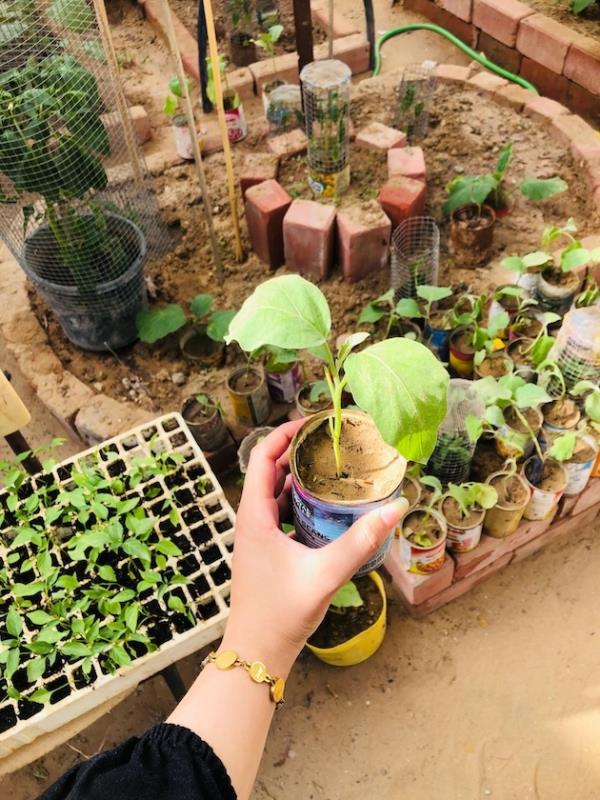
338,628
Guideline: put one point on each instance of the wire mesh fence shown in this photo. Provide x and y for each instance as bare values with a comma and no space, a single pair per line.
77,208
415,255
326,94
414,98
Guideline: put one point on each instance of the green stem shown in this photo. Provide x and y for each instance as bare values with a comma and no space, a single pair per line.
336,387
524,422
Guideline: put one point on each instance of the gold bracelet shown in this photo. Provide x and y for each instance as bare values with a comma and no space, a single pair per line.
228,659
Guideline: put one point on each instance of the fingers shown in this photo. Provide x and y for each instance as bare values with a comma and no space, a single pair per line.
344,556
284,500
262,473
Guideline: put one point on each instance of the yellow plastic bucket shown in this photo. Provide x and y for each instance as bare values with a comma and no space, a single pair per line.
361,646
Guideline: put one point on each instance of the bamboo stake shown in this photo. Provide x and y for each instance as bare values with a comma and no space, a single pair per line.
330,29
216,71
189,113
122,107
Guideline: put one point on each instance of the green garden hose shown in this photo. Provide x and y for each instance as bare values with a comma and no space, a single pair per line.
428,26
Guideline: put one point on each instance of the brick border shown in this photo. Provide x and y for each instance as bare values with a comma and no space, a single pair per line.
563,64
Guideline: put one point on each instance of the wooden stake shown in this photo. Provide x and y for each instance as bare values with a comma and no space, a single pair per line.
216,71
123,110
330,29
189,113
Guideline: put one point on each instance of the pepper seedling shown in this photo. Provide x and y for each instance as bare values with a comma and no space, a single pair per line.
543,343
155,324
173,101
398,382
473,496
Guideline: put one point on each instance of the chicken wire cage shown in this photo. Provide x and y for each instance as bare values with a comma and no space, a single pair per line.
77,208
415,255
450,461
414,97
326,95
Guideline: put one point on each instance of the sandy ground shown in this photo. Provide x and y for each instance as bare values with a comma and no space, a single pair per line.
496,695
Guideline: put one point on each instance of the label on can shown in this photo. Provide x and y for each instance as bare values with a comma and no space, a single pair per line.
438,341
461,540
462,367
421,561
237,129
284,385
596,467
183,142
252,409
329,184
579,475
318,523
541,504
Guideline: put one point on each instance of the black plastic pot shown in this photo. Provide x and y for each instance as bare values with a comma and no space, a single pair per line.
103,318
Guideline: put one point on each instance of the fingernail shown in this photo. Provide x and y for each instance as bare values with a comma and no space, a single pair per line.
392,513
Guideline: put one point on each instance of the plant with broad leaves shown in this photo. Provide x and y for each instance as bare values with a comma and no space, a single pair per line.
241,13
580,6
231,98
590,293
420,536
563,447
391,312
468,310
540,347
208,405
591,399
173,101
346,597
267,41
489,189
430,296
155,324
487,340
473,496
398,383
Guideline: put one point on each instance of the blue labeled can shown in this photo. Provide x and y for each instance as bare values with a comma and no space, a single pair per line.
438,340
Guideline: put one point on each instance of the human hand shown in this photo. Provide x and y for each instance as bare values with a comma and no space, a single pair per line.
281,589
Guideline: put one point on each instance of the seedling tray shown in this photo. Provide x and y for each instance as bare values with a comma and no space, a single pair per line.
190,510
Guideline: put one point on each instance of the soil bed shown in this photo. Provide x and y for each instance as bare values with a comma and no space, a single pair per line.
338,628
586,23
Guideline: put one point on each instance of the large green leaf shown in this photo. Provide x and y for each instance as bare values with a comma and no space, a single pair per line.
403,387
88,130
470,190
579,6
219,325
542,189
155,324
200,305
288,312
347,596
79,171
75,15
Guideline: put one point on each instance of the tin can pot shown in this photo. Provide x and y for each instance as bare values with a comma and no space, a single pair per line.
514,443
524,327
235,118
305,407
200,349
503,519
410,489
423,560
248,443
462,537
557,298
438,340
495,365
580,467
183,139
472,235
242,49
542,502
284,384
529,281
361,646
461,353
208,429
569,420
321,519
520,359
247,387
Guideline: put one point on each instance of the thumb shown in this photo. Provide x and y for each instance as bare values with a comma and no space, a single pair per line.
349,552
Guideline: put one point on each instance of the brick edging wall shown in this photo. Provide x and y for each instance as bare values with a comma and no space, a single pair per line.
563,64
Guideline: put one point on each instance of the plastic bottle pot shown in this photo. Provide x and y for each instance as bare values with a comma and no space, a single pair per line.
100,316
503,519
542,503
361,646
462,537
318,520
208,430
437,340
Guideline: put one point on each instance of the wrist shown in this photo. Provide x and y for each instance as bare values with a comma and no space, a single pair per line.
277,655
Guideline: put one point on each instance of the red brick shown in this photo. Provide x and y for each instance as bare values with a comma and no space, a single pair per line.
377,136
463,9
545,80
583,102
487,551
452,73
408,162
342,26
402,198
288,144
499,53
526,532
500,18
308,233
576,134
545,109
582,64
353,51
588,498
363,240
266,206
415,589
487,82
546,41
513,96
284,67
440,16
256,168
566,527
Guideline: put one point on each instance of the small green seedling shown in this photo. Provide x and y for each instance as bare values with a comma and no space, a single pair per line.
231,98
420,537
590,294
473,496
572,256
208,405
430,295
591,404
579,6
277,359
319,391
563,447
466,190
386,308
539,349
173,101
398,383
487,340
155,324
267,41
346,597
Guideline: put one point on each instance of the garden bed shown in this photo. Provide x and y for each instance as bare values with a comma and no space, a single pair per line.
587,23
468,129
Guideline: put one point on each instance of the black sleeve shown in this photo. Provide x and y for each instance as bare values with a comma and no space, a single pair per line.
167,763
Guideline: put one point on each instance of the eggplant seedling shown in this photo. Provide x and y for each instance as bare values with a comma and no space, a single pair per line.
347,596
473,496
399,383
155,324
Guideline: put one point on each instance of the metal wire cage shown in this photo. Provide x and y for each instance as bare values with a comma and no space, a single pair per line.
326,95
415,255
450,461
77,208
414,96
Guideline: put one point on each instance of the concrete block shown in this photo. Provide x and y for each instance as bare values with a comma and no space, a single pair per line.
377,136
402,198
308,235
363,240
266,206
